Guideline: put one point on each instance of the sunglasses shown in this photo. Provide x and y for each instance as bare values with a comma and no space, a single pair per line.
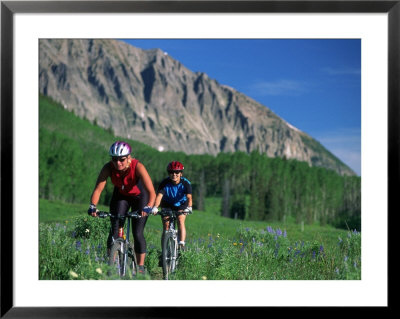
174,172
118,159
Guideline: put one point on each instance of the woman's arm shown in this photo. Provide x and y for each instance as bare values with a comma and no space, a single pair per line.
147,183
189,197
100,184
158,200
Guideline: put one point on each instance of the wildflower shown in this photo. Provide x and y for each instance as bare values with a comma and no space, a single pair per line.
270,230
99,271
340,241
218,235
278,232
204,278
284,234
87,251
73,274
234,244
241,244
87,230
337,270
346,257
78,245
66,221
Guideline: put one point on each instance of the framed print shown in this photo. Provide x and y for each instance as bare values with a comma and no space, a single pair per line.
24,23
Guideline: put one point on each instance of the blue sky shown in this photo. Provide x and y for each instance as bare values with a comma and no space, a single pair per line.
314,84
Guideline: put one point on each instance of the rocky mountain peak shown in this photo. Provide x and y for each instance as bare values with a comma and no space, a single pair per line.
148,96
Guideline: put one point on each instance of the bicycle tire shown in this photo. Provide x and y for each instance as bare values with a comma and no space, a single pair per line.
131,266
169,255
116,260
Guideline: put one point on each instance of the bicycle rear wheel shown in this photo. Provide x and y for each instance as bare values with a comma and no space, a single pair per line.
116,261
168,255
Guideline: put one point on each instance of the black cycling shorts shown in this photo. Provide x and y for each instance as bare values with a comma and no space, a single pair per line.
119,206
183,206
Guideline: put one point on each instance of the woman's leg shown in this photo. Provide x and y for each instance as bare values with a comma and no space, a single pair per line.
118,207
182,228
138,225
139,240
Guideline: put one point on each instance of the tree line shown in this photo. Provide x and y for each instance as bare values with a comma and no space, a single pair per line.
251,186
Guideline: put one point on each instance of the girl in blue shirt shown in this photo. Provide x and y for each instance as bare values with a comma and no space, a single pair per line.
175,192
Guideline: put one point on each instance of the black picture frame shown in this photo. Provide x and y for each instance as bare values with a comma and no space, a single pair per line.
9,8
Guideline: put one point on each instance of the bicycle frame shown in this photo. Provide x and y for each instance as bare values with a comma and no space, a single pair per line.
124,241
169,264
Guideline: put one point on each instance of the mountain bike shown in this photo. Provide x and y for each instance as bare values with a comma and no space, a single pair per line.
122,259
169,242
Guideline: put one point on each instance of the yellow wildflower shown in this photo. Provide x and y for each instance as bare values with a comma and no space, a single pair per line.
73,274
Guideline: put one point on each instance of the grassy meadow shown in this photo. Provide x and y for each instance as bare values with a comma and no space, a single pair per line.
72,246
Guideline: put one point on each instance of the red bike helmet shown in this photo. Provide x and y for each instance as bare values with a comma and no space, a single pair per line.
175,166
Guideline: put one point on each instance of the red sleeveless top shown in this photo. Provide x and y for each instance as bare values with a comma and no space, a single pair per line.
126,182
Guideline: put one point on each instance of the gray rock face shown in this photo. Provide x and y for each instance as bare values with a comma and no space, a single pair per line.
148,96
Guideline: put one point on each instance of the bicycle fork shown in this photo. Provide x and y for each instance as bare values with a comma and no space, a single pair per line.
124,246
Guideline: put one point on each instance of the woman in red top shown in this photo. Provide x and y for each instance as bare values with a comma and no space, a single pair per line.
133,189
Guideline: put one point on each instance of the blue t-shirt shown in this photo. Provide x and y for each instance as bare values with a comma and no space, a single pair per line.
175,195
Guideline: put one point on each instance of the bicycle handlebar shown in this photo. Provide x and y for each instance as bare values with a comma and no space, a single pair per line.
170,212
133,214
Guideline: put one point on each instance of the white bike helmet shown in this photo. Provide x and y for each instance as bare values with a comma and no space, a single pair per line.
120,149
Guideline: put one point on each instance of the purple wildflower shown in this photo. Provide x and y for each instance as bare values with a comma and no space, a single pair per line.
78,245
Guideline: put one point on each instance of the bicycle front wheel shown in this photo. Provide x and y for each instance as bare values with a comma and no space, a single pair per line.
131,265
169,255
116,261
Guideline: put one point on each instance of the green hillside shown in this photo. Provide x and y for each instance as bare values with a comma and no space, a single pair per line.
285,211
251,186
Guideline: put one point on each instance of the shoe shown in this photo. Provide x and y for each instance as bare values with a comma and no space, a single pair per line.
141,270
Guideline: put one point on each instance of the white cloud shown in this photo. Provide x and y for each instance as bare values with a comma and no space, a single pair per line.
279,87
